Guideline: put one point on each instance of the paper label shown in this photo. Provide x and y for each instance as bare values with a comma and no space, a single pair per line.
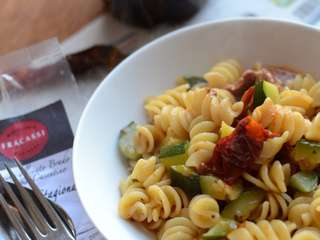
42,141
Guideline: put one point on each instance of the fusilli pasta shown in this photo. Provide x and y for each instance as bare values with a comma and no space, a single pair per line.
216,105
302,82
273,177
169,200
275,206
147,137
308,233
148,172
132,204
263,230
313,132
221,110
204,211
193,100
128,184
315,208
202,139
298,99
271,147
223,73
280,119
171,97
175,121
299,211
178,228
314,92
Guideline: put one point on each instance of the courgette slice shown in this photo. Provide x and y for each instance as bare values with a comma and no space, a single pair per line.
220,230
219,190
175,154
304,181
241,208
307,154
126,142
186,179
264,89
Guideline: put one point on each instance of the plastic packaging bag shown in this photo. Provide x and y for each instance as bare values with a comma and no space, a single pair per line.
39,106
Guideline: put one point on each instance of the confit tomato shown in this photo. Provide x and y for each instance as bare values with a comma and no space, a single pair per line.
237,153
247,99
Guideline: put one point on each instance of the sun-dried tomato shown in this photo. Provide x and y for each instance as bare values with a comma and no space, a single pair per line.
249,78
238,152
247,99
282,74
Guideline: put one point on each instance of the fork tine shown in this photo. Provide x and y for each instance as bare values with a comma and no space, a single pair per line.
55,218
13,219
19,206
38,218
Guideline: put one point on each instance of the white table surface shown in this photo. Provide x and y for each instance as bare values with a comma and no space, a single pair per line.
105,29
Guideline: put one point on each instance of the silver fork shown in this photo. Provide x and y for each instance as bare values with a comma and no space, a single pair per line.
34,225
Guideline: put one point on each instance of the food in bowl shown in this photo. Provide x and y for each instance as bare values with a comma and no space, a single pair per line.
233,154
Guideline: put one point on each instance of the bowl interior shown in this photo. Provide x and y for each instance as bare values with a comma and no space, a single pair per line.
98,167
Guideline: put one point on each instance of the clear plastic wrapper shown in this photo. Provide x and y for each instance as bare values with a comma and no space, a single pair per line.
40,107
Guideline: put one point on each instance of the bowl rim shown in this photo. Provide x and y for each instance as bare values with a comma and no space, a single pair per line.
141,50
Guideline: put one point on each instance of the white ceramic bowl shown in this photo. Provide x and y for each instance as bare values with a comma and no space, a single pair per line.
97,164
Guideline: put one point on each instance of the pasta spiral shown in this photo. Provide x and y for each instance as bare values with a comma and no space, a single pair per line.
273,177
216,105
129,183
171,97
178,228
175,121
280,119
313,132
154,225
299,211
193,100
148,172
202,141
308,233
271,147
155,212
132,205
147,138
275,206
223,73
221,110
204,211
315,208
263,230
314,92
302,82
153,218
168,200
298,99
